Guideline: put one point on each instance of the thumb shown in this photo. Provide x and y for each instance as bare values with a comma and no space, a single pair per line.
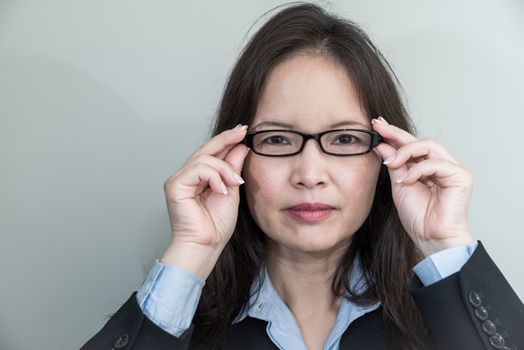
236,157
386,151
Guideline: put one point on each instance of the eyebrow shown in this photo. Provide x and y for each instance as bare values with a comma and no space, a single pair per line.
290,126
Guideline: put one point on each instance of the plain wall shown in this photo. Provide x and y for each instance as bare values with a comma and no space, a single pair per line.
100,101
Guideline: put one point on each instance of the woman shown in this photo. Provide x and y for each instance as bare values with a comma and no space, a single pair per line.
356,240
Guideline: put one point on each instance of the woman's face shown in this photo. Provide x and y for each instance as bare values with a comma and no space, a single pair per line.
310,93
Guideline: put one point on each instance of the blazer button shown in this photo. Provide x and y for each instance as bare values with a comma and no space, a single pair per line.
481,313
489,327
474,298
497,341
121,341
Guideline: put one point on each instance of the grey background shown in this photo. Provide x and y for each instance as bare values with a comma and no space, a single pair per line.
100,101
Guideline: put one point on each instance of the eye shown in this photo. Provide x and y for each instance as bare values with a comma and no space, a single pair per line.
274,140
347,139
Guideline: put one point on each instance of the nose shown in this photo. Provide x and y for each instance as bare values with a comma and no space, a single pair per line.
310,166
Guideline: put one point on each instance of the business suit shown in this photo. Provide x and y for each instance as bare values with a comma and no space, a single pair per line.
475,308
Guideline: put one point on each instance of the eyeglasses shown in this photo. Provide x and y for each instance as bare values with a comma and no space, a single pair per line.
339,142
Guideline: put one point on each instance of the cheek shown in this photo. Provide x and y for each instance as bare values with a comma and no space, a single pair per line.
353,187
263,184
363,184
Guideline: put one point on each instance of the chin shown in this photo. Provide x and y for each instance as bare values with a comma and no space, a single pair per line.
313,244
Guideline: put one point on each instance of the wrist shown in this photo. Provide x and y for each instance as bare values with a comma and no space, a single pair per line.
431,247
193,257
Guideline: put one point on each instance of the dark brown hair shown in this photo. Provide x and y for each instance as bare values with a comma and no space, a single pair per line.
386,252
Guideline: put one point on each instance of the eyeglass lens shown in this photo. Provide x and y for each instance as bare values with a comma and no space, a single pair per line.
337,142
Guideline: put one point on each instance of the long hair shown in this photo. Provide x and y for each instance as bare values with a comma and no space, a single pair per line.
386,252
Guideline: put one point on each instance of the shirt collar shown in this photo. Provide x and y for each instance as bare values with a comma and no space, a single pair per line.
268,306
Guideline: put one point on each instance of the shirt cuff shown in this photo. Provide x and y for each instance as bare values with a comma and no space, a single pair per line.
444,263
169,297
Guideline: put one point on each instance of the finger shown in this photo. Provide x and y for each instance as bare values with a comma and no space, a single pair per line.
228,173
428,182
385,151
215,181
224,153
220,144
420,149
193,181
441,172
392,134
237,156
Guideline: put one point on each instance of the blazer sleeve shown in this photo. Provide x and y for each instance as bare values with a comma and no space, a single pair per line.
474,308
129,329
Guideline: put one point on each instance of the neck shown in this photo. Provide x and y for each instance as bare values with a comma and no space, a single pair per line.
303,280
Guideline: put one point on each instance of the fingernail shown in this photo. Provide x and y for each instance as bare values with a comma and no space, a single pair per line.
238,178
401,178
383,120
224,189
240,127
389,160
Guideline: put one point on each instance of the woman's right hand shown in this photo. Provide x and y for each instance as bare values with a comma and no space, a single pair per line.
199,212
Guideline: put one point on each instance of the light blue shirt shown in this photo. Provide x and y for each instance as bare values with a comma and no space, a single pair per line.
169,297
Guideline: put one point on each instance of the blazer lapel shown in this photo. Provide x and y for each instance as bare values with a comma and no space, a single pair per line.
366,332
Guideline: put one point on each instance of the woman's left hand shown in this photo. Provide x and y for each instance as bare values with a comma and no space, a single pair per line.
433,196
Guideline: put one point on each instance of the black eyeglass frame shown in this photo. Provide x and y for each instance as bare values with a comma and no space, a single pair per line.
375,140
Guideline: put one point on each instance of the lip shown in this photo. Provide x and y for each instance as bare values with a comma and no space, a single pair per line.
310,212
310,207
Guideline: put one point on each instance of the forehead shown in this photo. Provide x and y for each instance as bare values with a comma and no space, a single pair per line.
275,122
309,92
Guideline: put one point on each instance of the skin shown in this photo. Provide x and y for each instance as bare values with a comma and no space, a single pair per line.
431,191
311,93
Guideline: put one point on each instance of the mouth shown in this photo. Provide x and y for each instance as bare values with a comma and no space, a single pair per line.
310,212
311,206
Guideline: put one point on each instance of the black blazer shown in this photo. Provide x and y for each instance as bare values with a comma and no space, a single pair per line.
475,308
